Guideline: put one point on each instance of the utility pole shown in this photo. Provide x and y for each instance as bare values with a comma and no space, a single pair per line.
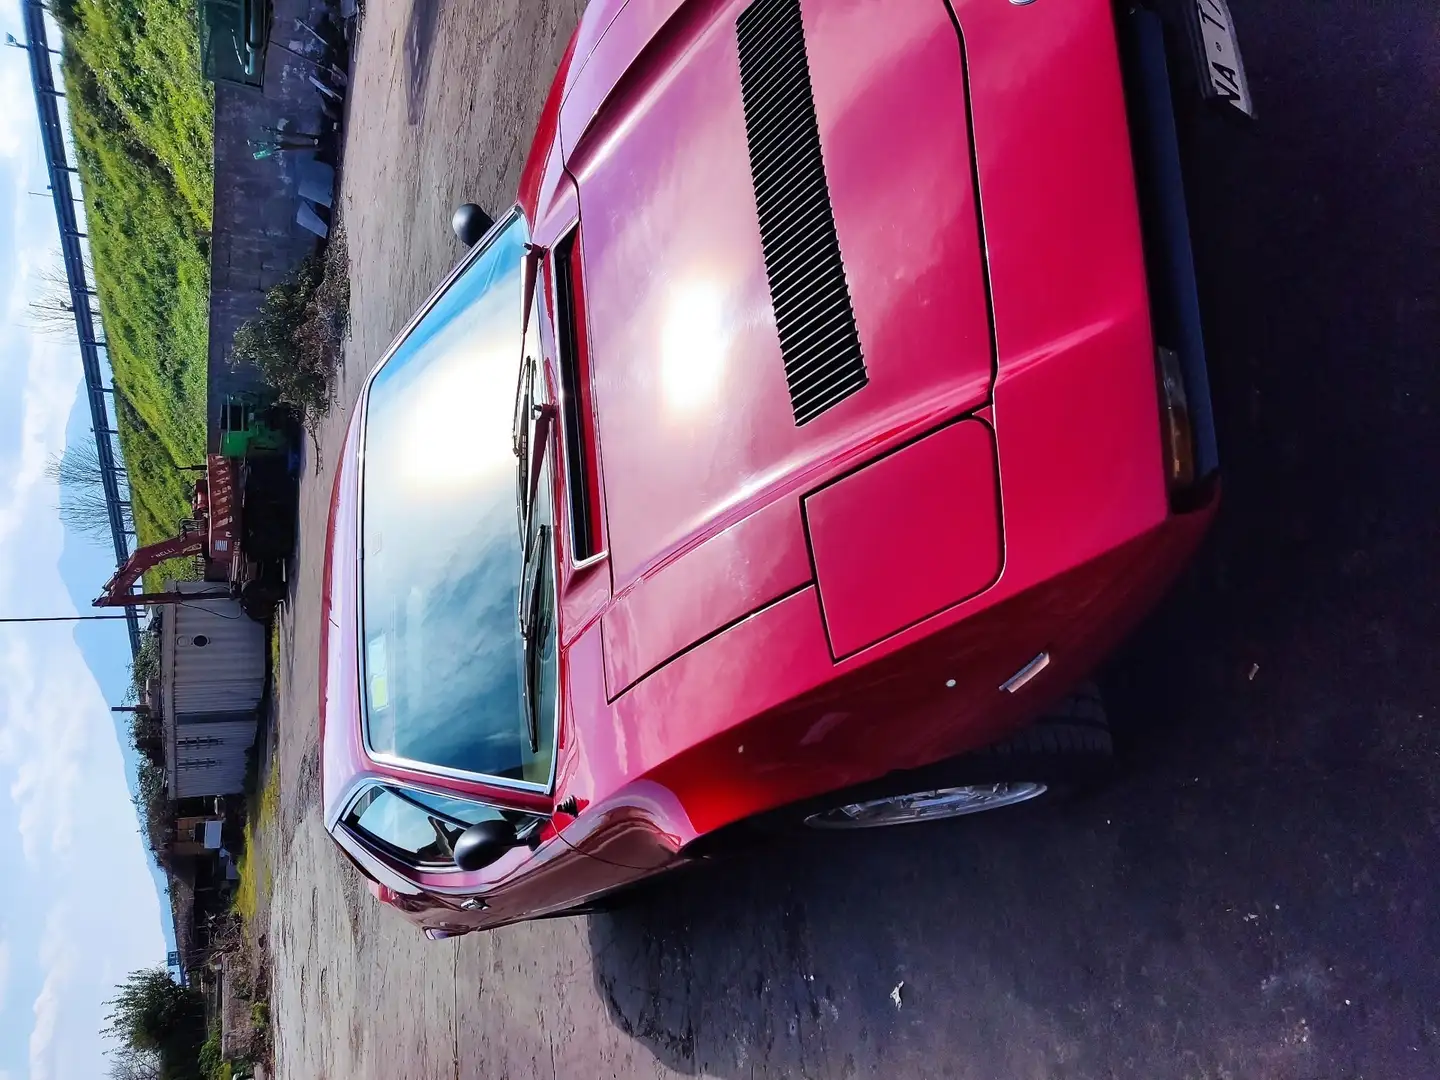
60,618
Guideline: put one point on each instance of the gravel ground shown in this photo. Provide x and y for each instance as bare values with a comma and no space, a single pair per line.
1254,899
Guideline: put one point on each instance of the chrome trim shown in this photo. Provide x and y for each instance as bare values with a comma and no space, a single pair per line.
571,234
397,762
372,864
338,827
940,804
1026,673
363,406
589,561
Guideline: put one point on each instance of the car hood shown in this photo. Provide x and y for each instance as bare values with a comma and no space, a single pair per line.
699,396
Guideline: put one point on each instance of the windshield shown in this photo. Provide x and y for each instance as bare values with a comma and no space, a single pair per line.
443,661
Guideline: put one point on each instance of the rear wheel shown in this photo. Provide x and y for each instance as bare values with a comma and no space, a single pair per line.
936,805
1067,749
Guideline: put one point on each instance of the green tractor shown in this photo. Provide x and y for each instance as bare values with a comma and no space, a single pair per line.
251,427
261,438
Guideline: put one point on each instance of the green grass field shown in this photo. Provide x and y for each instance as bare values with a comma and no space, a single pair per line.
256,874
142,120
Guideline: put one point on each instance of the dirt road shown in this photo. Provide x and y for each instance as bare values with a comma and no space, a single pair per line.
1255,899
442,107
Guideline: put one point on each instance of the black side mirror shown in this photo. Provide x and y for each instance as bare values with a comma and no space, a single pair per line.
470,223
481,844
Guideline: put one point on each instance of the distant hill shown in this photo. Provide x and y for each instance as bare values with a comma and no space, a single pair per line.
105,646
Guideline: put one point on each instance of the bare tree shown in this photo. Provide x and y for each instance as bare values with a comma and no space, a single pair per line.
51,310
88,513
130,1063
78,467
52,313
54,277
83,505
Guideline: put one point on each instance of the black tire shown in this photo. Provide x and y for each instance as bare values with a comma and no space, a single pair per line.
1069,746
259,599
1068,749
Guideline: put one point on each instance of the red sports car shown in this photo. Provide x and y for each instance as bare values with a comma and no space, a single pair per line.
831,401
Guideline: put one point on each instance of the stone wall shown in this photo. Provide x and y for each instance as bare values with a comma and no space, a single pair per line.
255,240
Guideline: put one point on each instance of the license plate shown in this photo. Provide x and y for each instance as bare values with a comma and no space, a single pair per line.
1224,69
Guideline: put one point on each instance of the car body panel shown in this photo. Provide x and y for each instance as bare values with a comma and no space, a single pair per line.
911,534
733,737
1075,400
725,577
694,417
700,684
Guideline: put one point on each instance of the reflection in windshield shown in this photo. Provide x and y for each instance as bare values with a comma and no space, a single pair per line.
441,558
405,826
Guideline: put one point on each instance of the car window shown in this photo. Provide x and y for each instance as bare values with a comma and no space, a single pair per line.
443,660
417,826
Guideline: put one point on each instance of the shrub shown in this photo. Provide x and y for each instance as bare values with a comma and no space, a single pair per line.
153,1014
211,1060
297,338
152,802
146,665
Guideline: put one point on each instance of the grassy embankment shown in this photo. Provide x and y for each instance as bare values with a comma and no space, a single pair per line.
142,120
262,815
255,870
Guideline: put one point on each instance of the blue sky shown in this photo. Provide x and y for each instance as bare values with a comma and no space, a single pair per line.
79,906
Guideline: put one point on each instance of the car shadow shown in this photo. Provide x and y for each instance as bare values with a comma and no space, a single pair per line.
1221,906
1254,896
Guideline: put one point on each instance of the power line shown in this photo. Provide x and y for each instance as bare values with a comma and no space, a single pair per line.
60,618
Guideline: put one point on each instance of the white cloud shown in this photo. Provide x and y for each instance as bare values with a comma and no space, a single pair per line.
50,380
47,1020
17,126
84,950
43,706
21,156
43,737
57,953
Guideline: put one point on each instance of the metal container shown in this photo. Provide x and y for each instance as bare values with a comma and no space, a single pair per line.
212,677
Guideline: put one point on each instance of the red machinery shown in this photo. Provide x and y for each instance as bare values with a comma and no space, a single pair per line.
217,534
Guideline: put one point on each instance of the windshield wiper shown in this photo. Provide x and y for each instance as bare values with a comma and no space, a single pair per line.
529,449
520,442
534,628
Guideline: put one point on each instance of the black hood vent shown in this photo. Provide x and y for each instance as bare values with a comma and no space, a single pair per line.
813,313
